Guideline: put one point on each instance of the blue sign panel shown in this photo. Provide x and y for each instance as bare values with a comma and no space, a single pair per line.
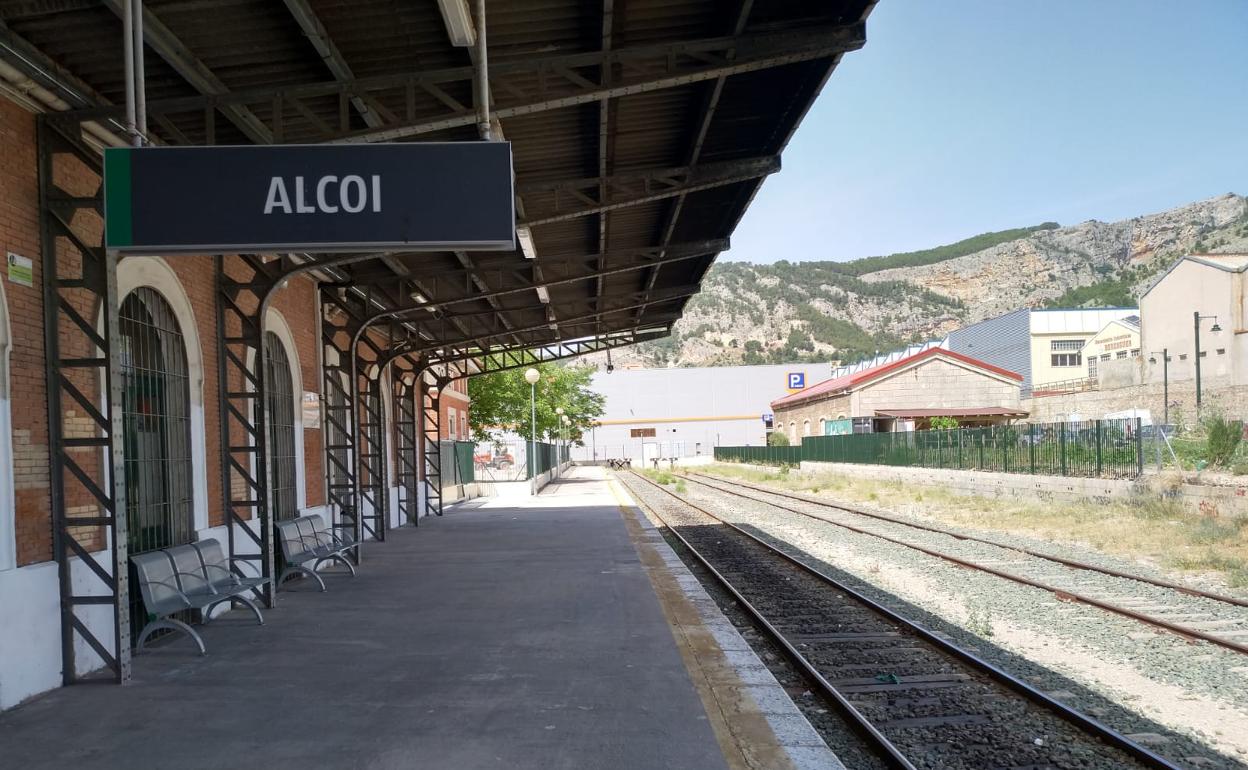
797,380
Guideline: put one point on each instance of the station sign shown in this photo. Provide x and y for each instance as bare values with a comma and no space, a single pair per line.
358,197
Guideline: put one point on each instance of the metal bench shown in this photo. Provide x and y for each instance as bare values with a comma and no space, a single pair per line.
307,540
196,576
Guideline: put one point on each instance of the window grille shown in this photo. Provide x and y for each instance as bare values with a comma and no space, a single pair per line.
1092,362
280,414
157,429
1066,359
1065,345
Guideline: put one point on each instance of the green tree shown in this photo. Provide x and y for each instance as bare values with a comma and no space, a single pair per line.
777,438
500,402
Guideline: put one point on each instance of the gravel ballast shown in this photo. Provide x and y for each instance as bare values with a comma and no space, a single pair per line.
1000,729
1188,699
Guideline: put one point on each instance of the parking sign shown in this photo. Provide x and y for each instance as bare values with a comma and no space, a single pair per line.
797,380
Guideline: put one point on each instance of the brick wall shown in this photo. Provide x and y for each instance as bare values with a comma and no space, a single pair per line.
19,233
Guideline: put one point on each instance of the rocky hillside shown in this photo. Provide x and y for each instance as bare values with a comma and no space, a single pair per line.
790,311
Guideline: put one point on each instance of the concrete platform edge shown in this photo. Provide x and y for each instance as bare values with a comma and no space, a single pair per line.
758,725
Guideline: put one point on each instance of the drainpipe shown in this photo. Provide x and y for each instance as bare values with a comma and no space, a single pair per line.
483,79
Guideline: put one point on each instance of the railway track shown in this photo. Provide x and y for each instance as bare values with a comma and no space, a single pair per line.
1032,568
918,699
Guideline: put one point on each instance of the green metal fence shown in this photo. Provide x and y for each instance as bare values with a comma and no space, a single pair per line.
545,456
764,455
457,465
1095,448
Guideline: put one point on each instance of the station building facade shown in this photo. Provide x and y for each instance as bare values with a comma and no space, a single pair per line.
172,414
904,394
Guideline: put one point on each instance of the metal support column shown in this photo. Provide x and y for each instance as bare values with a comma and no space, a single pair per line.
337,328
240,370
374,489
431,433
87,477
407,449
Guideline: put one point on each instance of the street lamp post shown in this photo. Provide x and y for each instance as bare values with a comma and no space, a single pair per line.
1165,379
531,376
558,436
1196,319
567,436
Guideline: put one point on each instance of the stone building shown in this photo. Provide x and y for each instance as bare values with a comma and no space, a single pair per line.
903,395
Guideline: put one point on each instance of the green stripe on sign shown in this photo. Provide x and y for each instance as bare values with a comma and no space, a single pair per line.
118,225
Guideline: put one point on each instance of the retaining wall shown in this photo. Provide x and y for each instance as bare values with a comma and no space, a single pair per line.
1197,498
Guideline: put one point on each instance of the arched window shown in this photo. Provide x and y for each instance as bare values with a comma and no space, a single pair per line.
156,437
280,415
823,421
806,427
157,428
793,431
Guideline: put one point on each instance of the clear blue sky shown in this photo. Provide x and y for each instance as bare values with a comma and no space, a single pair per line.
962,116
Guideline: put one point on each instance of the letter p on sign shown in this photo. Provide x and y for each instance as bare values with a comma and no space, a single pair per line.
797,380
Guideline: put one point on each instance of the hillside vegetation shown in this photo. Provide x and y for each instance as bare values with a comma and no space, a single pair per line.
940,253
818,310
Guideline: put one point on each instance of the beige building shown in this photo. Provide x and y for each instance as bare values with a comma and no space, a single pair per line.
902,395
1058,337
1112,357
1215,287
1044,345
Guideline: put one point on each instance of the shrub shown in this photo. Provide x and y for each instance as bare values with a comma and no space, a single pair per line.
777,438
943,423
1224,437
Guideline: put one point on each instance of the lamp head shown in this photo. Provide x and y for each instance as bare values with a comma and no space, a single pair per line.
1152,359
1215,328
531,376
433,391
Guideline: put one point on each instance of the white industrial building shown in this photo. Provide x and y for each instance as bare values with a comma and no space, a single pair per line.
686,412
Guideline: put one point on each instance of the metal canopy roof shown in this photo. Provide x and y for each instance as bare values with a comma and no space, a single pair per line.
641,129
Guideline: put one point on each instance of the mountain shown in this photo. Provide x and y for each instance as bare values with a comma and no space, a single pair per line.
821,310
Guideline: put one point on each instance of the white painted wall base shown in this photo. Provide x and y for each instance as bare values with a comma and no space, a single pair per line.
30,637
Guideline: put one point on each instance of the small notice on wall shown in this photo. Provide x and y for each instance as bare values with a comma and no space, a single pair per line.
21,270
311,410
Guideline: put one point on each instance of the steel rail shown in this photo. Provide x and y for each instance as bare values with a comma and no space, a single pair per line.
988,541
1061,593
830,694
1074,717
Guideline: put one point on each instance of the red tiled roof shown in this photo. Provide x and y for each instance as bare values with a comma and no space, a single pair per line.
851,381
966,411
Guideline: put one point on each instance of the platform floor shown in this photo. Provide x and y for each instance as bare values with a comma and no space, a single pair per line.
499,636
